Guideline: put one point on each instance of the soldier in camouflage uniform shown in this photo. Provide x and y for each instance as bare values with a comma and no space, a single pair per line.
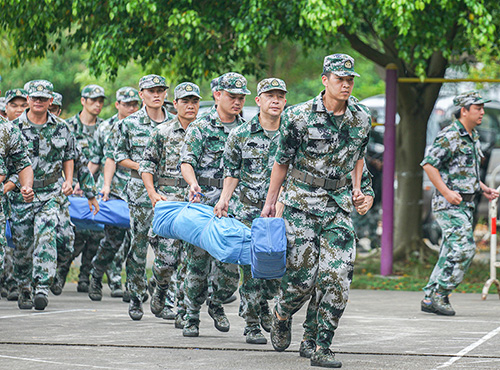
13,159
15,103
110,254
83,125
2,108
452,164
248,160
325,139
133,135
163,181
56,106
201,166
51,149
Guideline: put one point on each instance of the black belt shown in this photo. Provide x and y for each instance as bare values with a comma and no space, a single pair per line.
468,197
320,182
205,181
246,200
45,182
178,181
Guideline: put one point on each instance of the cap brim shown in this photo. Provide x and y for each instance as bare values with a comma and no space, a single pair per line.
15,96
127,100
238,91
274,88
41,95
345,74
153,85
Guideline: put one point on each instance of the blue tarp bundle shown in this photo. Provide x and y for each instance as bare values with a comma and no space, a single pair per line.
268,252
113,212
226,239
8,235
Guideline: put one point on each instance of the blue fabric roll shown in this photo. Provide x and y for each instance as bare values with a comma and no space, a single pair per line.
268,250
226,239
113,212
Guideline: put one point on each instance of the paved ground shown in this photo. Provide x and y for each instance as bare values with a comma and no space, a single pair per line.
380,330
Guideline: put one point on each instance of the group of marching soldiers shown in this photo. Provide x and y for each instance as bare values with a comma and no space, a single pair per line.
305,164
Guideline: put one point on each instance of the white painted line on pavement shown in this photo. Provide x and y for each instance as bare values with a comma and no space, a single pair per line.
46,313
70,365
466,350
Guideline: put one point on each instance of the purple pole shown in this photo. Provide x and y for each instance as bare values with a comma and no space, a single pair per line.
388,170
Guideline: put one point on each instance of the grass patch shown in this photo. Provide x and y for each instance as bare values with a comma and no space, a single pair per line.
413,275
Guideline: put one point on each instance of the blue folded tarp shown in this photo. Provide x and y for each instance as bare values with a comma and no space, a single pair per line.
113,212
268,251
8,235
226,239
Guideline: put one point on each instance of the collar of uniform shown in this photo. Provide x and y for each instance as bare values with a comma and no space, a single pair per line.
148,119
177,124
463,132
255,124
319,106
216,121
23,119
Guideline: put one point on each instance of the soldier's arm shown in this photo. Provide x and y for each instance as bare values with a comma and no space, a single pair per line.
68,167
222,206
488,192
451,196
187,172
357,196
109,172
278,175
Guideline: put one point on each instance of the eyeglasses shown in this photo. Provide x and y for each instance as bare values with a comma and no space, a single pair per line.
39,98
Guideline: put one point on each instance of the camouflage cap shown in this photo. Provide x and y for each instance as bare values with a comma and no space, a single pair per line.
40,88
269,84
93,91
127,94
233,83
214,84
468,98
15,93
2,104
186,89
150,81
58,98
340,64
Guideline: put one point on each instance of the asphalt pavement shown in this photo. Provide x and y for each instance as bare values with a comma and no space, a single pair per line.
379,330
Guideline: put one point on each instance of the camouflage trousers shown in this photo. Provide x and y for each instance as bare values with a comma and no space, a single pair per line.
3,240
86,244
167,257
34,235
7,280
179,279
114,270
224,284
252,293
109,255
65,237
457,250
320,258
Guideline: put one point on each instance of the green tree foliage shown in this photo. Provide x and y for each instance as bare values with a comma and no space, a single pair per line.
201,39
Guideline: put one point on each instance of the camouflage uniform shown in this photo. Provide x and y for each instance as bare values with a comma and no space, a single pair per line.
13,158
133,135
203,150
457,156
321,238
161,159
249,156
34,225
86,241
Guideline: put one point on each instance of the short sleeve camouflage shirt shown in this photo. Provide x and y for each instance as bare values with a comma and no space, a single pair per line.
314,143
457,156
13,153
84,134
161,156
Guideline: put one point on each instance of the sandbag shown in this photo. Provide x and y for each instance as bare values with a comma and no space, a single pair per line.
268,248
113,212
226,239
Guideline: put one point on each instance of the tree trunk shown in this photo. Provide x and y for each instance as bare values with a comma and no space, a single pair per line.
415,104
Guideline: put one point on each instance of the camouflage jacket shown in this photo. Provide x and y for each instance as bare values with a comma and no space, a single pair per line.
48,146
133,134
203,149
249,156
13,152
103,146
161,157
122,174
457,156
84,134
313,143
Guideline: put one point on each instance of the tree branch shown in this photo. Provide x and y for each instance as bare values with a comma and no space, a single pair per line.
366,50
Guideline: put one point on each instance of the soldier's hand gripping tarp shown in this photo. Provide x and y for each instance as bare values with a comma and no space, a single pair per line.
226,239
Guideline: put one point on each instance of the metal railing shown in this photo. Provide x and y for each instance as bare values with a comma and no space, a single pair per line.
494,264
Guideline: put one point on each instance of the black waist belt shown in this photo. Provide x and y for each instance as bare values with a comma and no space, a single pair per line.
246,200
45,182
320,182
166,181
468,197
205,181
